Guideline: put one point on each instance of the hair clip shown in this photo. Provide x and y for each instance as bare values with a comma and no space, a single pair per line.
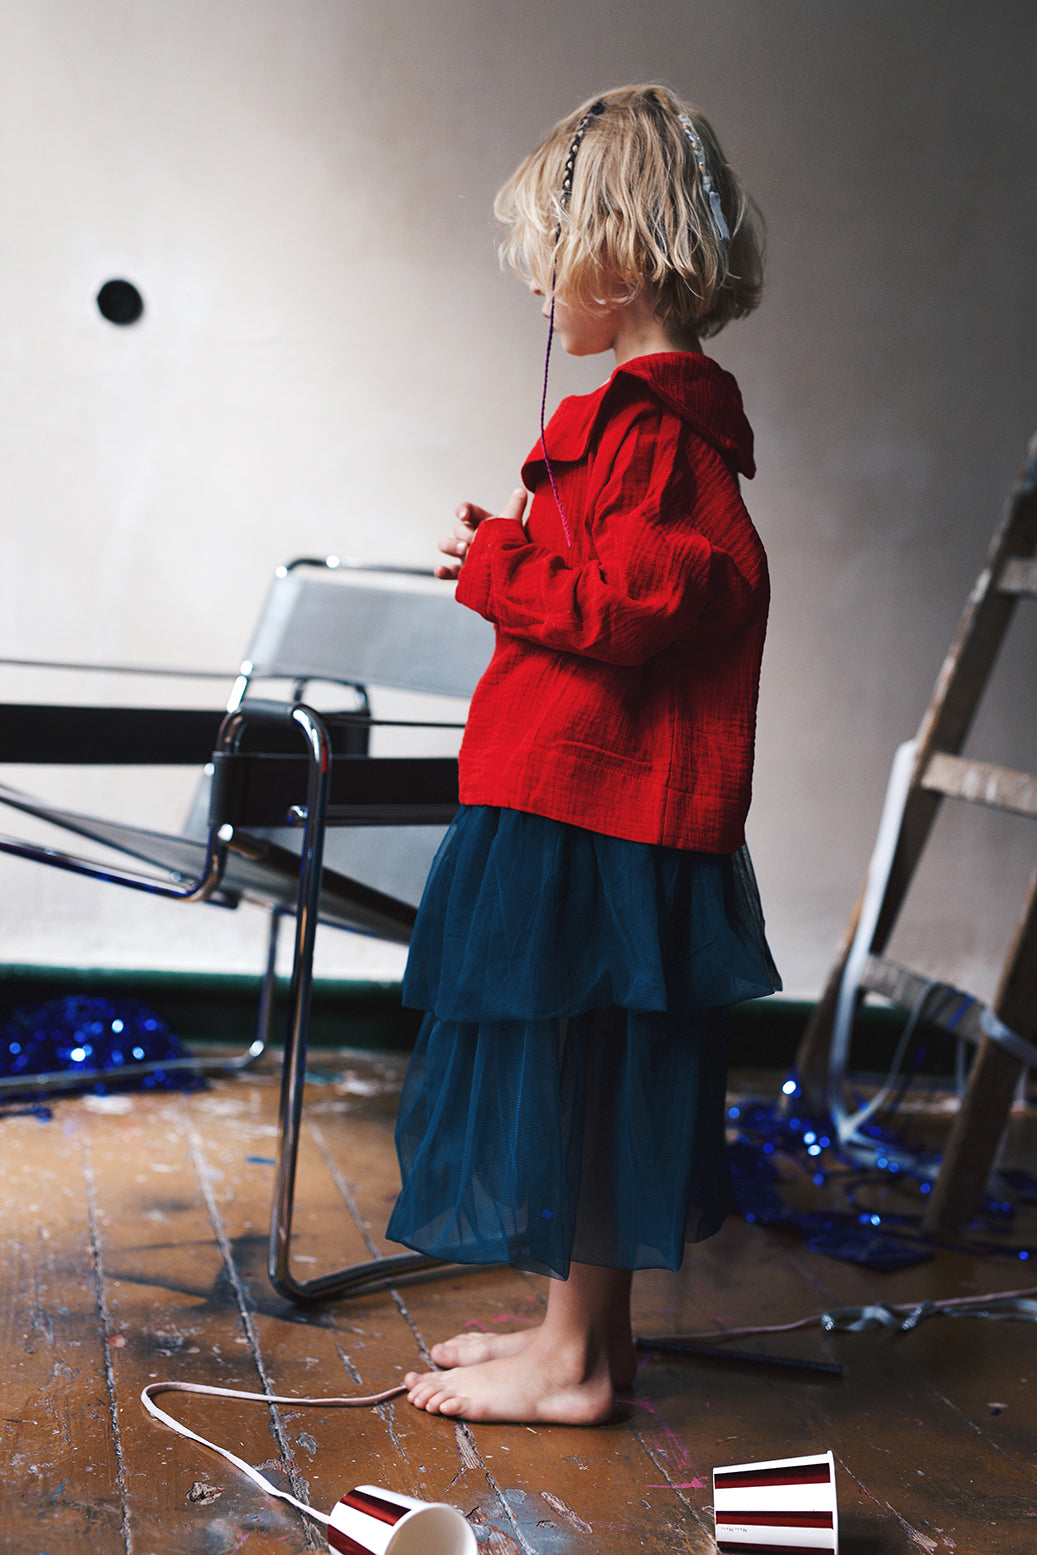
709,187
593,112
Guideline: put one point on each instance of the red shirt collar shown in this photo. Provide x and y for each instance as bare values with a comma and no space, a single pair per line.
693,386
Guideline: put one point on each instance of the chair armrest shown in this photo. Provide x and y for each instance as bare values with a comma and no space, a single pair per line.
262,789
47,734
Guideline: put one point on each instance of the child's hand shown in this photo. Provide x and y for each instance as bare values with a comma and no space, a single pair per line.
456,544
469,517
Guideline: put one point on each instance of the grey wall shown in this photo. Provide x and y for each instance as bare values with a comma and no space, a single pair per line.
330,359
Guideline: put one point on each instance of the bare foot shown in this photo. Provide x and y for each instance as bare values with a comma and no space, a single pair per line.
565,1372
538,1384
475,1349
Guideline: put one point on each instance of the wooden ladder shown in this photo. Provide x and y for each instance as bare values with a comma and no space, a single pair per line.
938,771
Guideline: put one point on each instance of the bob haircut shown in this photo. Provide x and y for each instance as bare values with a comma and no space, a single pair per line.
638,215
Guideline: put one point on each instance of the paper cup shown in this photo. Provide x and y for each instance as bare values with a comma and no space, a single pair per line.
370,1521
786,1505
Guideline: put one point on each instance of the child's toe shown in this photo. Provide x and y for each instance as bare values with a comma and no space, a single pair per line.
420,1389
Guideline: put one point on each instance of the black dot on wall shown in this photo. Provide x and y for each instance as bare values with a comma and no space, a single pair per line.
120,302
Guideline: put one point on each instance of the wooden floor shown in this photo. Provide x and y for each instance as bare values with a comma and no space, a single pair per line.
134,1233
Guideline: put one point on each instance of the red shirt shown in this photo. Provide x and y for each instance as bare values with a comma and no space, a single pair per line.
622,692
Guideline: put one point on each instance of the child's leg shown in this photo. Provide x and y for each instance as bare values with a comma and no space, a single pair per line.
564,1372
600,1030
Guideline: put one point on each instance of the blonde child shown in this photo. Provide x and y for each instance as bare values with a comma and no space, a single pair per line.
592,910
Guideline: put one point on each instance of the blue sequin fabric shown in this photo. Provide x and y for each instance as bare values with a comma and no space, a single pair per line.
565,1099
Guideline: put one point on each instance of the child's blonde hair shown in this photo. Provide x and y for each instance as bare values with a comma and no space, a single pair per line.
638,214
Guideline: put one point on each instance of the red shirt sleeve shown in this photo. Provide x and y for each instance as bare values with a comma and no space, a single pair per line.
640,576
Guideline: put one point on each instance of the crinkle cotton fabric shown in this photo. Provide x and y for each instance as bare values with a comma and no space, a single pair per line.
565,1100
623,687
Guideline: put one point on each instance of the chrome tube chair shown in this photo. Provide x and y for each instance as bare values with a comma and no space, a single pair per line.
294,811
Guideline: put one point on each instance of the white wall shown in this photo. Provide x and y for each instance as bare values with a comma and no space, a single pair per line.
330,359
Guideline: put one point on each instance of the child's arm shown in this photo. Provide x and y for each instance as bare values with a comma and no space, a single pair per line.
656,576
469,517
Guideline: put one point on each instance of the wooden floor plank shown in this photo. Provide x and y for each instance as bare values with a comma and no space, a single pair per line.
980,1369
695,1415
134,1233
968,1381
57,1405
554,1497
357,1346
883,1420
171,1314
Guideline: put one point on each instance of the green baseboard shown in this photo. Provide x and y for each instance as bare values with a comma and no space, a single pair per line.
220,1009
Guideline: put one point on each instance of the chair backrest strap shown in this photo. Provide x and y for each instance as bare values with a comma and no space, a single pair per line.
325,628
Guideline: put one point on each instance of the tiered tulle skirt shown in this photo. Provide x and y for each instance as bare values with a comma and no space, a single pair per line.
566,1096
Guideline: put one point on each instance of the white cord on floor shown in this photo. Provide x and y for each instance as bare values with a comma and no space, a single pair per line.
261,1398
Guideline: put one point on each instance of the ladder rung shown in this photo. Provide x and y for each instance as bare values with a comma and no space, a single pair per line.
978,782
948,1008
1019,576
942,1005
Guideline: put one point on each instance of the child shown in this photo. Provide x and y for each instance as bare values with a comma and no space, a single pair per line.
592,909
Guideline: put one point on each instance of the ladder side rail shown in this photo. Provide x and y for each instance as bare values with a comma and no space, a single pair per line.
981,629
811,1064
980,1120
944,727
1019,576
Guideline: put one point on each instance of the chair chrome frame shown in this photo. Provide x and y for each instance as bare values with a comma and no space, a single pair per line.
376,1272
205,887
208,884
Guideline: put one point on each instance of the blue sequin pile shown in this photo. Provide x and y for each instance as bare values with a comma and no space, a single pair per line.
80,1034
762,1134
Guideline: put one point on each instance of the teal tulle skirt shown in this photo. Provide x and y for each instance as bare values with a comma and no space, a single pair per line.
565,1099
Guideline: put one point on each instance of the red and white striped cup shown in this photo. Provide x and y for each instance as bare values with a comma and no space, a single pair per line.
370,1521
787,1506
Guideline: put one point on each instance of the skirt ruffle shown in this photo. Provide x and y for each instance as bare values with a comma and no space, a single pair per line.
598,1140
565,1099
527,918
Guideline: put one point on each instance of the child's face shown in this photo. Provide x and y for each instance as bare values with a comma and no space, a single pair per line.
627,329
585,331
